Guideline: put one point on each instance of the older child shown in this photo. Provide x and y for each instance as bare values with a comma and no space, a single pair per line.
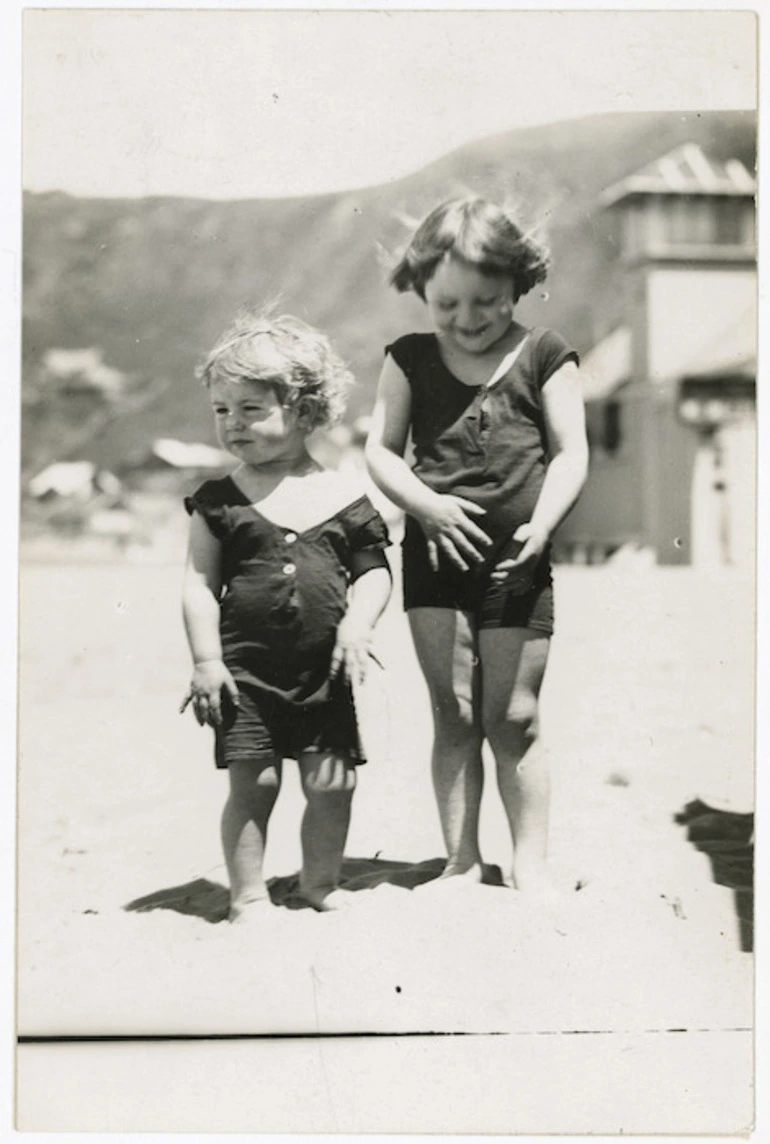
496,419
285,579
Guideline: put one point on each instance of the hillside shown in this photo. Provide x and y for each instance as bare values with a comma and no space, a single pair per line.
151,282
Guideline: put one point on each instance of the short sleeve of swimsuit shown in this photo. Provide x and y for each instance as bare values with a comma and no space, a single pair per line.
208,501
551,353
550,349
367,537
403,352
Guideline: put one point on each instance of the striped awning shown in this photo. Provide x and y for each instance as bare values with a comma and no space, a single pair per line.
685,171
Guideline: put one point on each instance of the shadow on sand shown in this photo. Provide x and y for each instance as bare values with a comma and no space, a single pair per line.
210,900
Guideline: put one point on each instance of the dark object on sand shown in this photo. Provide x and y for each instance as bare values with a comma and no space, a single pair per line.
211,900
728,839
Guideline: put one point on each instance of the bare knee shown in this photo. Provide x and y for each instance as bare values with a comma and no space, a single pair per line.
319,787
254,781
513,729
327,775
455,719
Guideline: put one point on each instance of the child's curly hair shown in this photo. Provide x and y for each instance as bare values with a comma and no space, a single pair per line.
479,233
282,351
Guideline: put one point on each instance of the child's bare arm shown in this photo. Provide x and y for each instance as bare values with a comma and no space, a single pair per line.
566,427
445,519
200,608
567,469
369,595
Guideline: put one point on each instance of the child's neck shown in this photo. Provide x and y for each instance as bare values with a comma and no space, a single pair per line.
297,496
478,368
272,472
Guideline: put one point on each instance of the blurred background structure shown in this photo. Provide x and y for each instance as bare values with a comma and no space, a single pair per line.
650,218
671,393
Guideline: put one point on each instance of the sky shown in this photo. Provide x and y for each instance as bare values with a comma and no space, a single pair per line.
241,104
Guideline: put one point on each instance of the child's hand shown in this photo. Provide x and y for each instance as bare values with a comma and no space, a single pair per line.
451,532
205,693
517,571
352,649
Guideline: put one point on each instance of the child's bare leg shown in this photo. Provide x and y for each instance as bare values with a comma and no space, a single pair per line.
513,665
253,790
445,646
328,782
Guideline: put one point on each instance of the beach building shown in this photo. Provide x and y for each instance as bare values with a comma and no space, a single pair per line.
74,480
670,393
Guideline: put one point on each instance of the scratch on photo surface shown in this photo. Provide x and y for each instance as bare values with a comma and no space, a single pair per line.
315,982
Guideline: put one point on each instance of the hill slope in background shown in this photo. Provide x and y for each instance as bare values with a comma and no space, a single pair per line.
151,282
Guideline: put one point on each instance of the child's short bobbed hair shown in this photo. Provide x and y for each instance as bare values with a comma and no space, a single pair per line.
479,233
294,359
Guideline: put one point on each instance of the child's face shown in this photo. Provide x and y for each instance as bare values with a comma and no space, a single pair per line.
470,308
251,422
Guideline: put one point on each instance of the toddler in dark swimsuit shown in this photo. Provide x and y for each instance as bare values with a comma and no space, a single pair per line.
286,577
495,414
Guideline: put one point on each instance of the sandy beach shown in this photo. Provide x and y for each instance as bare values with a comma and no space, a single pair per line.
122,888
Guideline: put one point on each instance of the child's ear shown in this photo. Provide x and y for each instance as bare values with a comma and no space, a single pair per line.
306,411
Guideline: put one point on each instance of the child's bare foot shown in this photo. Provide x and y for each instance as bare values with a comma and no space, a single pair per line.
554,901
326,900
247,913
455,876
538,885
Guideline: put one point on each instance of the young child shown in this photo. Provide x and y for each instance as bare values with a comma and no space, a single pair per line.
497,424
285,579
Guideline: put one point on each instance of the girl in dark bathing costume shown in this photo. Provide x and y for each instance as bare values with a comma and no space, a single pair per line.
286,577
496,418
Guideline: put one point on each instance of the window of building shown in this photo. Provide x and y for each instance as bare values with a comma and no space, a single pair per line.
729,222
612,436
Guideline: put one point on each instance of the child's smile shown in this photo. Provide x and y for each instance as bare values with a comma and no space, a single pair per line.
471,309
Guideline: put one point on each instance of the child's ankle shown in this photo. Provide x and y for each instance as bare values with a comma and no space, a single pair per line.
248,911
463,868
248,898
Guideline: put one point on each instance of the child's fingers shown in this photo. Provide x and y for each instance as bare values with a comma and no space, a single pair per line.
185,702
512,578
433,555
514,572
450,551
527,555
356,663
524,556
336,660
473,531
232,690
469,506
473,536
201,708
467,547
212,702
